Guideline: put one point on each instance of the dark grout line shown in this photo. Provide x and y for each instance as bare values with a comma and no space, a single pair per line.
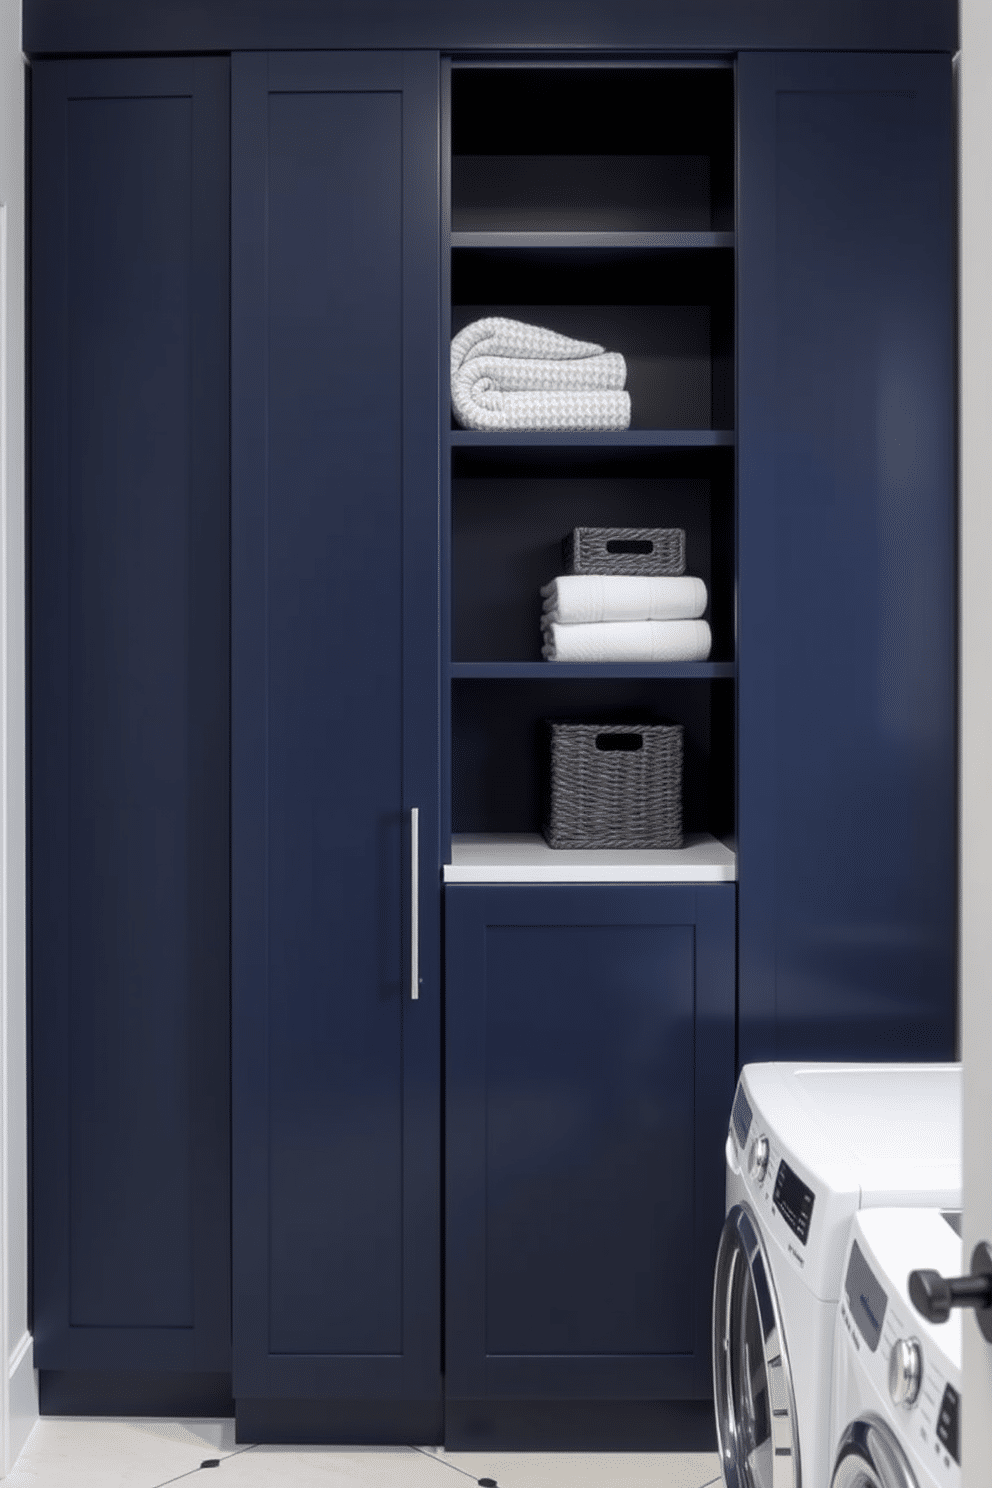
213,1461
179,1478
444,1463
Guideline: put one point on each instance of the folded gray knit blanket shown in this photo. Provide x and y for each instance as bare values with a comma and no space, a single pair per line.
509,375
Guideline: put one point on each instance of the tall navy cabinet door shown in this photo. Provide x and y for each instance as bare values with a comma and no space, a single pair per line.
129,645
590,1073
847,557
335,662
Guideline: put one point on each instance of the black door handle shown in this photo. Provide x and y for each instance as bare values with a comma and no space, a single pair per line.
934,1295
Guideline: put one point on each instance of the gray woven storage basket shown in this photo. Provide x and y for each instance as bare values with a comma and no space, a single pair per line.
615,785
625,550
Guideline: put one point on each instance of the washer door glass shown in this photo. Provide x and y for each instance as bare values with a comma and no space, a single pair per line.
869,1456
752,1382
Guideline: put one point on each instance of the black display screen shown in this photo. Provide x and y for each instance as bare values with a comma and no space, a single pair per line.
794,1201
949,1423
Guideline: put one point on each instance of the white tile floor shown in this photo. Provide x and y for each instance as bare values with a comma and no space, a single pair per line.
70,1452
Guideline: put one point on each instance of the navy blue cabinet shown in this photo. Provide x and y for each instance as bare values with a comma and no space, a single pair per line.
285,669
590,1066
847,615
129,717
334,529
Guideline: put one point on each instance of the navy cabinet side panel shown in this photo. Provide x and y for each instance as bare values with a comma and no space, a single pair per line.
847,558
590,1046
335,625
129,716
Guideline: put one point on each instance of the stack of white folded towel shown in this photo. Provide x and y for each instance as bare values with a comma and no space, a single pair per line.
509,375
613,617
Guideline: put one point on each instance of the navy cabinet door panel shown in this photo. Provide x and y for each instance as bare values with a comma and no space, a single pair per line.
590,1070
129,715
336,1102
847,557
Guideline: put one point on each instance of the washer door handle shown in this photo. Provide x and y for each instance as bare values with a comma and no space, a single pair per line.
934,1295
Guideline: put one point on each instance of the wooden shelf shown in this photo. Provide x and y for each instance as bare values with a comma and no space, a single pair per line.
548,671
625,439
619,240
526,858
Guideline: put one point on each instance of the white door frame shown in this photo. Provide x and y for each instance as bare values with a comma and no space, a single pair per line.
18,1384
975,94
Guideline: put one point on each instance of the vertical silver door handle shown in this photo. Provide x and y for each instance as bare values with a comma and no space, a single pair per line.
414,903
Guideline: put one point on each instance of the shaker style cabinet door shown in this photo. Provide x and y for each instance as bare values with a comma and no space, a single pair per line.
129,740
335,861
847,610
590,1070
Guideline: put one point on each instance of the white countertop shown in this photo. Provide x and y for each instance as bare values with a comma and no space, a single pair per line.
526,858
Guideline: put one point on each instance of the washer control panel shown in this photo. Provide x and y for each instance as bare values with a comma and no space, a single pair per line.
779,1194
867,1299
794,1201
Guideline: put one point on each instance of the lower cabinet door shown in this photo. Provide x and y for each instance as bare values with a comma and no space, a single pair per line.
590,1072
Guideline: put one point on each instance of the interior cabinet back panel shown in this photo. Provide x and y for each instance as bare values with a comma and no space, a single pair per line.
670,314
330,1268
847,558
499,761
626,149
130,719
507,534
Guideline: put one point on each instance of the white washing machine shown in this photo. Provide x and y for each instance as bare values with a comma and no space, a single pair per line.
809,1146
896,1400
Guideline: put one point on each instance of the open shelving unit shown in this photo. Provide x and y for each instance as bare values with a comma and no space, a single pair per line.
598,201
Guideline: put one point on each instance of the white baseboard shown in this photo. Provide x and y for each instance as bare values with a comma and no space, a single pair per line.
22,1398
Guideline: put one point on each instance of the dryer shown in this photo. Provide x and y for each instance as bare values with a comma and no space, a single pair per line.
809,1146
896,1397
